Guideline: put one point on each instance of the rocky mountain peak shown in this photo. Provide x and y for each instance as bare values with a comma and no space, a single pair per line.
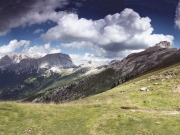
4,61
6,57
59,60
146,59
25,64
158,46
163,44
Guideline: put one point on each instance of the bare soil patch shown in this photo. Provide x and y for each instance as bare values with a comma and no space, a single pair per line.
135,109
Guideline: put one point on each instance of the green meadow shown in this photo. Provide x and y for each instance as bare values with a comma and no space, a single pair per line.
124,110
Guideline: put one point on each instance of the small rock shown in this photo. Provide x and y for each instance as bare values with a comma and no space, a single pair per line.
155,83
143,89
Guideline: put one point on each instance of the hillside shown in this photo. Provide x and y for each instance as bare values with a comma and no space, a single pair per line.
124,110
54,78
156,57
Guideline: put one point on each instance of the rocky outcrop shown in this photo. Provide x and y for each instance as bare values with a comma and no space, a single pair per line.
137,63
163,44
5,61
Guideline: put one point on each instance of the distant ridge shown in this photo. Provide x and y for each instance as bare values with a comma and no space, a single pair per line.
20,63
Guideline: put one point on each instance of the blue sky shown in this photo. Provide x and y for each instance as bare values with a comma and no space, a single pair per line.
90,30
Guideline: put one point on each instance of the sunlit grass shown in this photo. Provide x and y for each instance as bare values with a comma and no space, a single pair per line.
102,114
46,119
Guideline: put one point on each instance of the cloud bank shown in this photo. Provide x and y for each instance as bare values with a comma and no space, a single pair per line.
24,45
15,13
109,37
41,50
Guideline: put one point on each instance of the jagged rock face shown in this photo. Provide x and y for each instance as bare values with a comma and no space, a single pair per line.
163,44
5,61
40,65
137,63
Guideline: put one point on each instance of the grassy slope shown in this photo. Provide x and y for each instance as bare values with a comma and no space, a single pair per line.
160,96
102,114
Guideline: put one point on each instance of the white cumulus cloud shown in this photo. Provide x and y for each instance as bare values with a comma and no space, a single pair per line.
111,36
70,27
41,50
13,46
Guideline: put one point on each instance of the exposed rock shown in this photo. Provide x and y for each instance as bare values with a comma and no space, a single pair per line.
137,63
5,61
144,89
163,44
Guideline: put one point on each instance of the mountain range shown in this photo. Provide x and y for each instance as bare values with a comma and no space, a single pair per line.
54,77
21,63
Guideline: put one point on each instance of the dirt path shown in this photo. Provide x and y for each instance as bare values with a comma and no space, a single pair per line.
134,109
